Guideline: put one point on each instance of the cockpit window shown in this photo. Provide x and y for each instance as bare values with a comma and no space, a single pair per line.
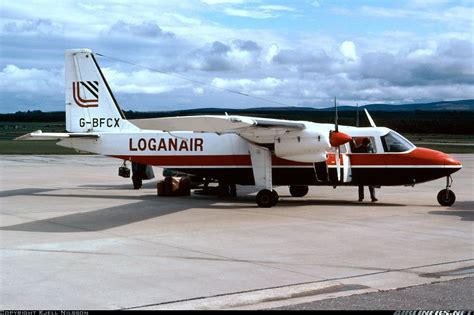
393,142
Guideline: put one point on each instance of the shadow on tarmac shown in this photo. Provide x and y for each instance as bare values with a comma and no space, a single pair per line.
101,219
22,192
463,209
129,186
147,207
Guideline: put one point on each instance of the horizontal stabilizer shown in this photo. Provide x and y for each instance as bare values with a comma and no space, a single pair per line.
39,135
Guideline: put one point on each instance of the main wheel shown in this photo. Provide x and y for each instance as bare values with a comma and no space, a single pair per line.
446,197
266,198
276,197
298,191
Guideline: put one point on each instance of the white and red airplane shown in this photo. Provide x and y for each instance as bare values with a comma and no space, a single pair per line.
239,149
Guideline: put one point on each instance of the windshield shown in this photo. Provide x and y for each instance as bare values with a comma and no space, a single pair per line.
393,142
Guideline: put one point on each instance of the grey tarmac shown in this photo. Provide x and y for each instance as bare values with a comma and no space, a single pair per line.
74,235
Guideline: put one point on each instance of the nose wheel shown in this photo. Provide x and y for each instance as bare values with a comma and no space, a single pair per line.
446,197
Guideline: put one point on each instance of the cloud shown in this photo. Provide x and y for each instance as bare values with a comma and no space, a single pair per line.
142,82
301,61
259,12
348,50
37,26
460,15
275,8
146,29
449,63
258,87
290,61
251,13
21,80
237,55
213,2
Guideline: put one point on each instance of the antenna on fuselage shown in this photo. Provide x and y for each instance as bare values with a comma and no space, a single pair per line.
371,121
357,115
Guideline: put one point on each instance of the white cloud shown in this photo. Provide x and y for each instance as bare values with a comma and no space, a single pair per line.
213,2
272,51
348,50
276,8
251,13
142,82
265,86
454,15
21,80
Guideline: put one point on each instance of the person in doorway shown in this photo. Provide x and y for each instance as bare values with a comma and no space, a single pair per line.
367,147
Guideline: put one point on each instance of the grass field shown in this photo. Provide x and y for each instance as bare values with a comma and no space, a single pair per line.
10,130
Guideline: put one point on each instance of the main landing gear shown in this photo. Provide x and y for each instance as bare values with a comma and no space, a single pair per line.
262,172
446,197
267,198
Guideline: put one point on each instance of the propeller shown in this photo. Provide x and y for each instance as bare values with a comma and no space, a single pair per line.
336,139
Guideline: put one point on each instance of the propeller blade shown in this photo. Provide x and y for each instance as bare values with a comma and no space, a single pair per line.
335,116
338,165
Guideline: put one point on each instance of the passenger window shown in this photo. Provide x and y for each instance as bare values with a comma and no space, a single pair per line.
363,145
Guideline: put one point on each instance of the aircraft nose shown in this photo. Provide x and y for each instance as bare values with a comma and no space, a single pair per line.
448,160
434,157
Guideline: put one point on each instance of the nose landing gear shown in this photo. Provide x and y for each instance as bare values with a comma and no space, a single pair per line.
446,197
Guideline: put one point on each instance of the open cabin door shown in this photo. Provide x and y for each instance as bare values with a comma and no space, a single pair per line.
345,166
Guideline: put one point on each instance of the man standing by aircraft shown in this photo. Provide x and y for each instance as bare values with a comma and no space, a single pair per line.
366,147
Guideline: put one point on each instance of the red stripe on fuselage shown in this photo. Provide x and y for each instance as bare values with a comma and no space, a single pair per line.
419,156
202,160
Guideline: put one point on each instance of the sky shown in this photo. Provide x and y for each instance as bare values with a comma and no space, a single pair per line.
294,53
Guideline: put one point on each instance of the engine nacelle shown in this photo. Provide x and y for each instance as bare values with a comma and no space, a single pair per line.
302,146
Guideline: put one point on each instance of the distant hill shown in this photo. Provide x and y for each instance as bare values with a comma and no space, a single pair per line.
460,105
450,117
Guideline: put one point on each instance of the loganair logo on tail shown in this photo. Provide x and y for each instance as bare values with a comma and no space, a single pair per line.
86,93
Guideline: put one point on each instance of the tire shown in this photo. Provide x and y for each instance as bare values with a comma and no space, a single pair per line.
265,198
276,197
446,199
298,191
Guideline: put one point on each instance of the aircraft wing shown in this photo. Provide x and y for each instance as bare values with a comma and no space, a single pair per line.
251,128
39,135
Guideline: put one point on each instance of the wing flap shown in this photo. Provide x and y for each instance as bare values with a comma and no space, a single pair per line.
255,129
195,123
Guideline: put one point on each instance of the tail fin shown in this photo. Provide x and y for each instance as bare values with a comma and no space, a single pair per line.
90,104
